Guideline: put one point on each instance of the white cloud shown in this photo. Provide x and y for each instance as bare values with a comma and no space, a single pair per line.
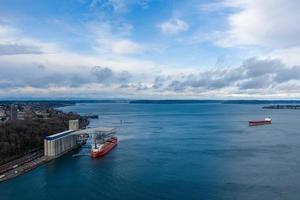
52,70
19,53
13,42
268,23
126,46
211,7
255,77
174,26
118,6
115,41
6,33
268,27
66,74
289,56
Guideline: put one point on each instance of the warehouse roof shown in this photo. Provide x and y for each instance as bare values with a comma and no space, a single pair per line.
59,135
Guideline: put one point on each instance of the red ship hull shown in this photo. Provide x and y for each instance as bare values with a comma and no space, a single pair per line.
259,123
108,145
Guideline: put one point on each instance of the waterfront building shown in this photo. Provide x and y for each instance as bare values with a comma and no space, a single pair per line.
13,115
42,114
60,143
74,124
21,115
3,116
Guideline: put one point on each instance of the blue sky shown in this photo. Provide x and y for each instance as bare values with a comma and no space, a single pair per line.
201,49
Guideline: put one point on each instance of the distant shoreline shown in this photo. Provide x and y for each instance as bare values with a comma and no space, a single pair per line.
290,107
63,103
215,101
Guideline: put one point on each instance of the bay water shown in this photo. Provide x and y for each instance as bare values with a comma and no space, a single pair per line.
175,151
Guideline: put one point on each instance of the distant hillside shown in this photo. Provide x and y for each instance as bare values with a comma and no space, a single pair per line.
172,101
215,101
292,107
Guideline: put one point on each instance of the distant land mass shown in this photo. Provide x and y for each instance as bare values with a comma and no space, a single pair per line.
62,103
292,107
172,101
215,101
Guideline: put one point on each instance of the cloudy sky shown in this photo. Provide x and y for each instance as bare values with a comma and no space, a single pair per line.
195,49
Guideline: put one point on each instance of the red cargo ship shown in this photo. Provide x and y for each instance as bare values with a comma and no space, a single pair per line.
260,122
100,150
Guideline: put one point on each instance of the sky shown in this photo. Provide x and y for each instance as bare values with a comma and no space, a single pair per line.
150,49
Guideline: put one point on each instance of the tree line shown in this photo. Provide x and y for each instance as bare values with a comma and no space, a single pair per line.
18,137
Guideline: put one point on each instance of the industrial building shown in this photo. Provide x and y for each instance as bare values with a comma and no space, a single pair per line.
60,143
73,124
13,115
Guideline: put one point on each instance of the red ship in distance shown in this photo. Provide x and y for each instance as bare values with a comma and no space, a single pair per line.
266,121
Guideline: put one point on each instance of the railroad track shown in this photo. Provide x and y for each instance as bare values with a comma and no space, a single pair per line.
21,161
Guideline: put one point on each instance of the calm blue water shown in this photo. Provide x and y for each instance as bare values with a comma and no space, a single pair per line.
176,151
